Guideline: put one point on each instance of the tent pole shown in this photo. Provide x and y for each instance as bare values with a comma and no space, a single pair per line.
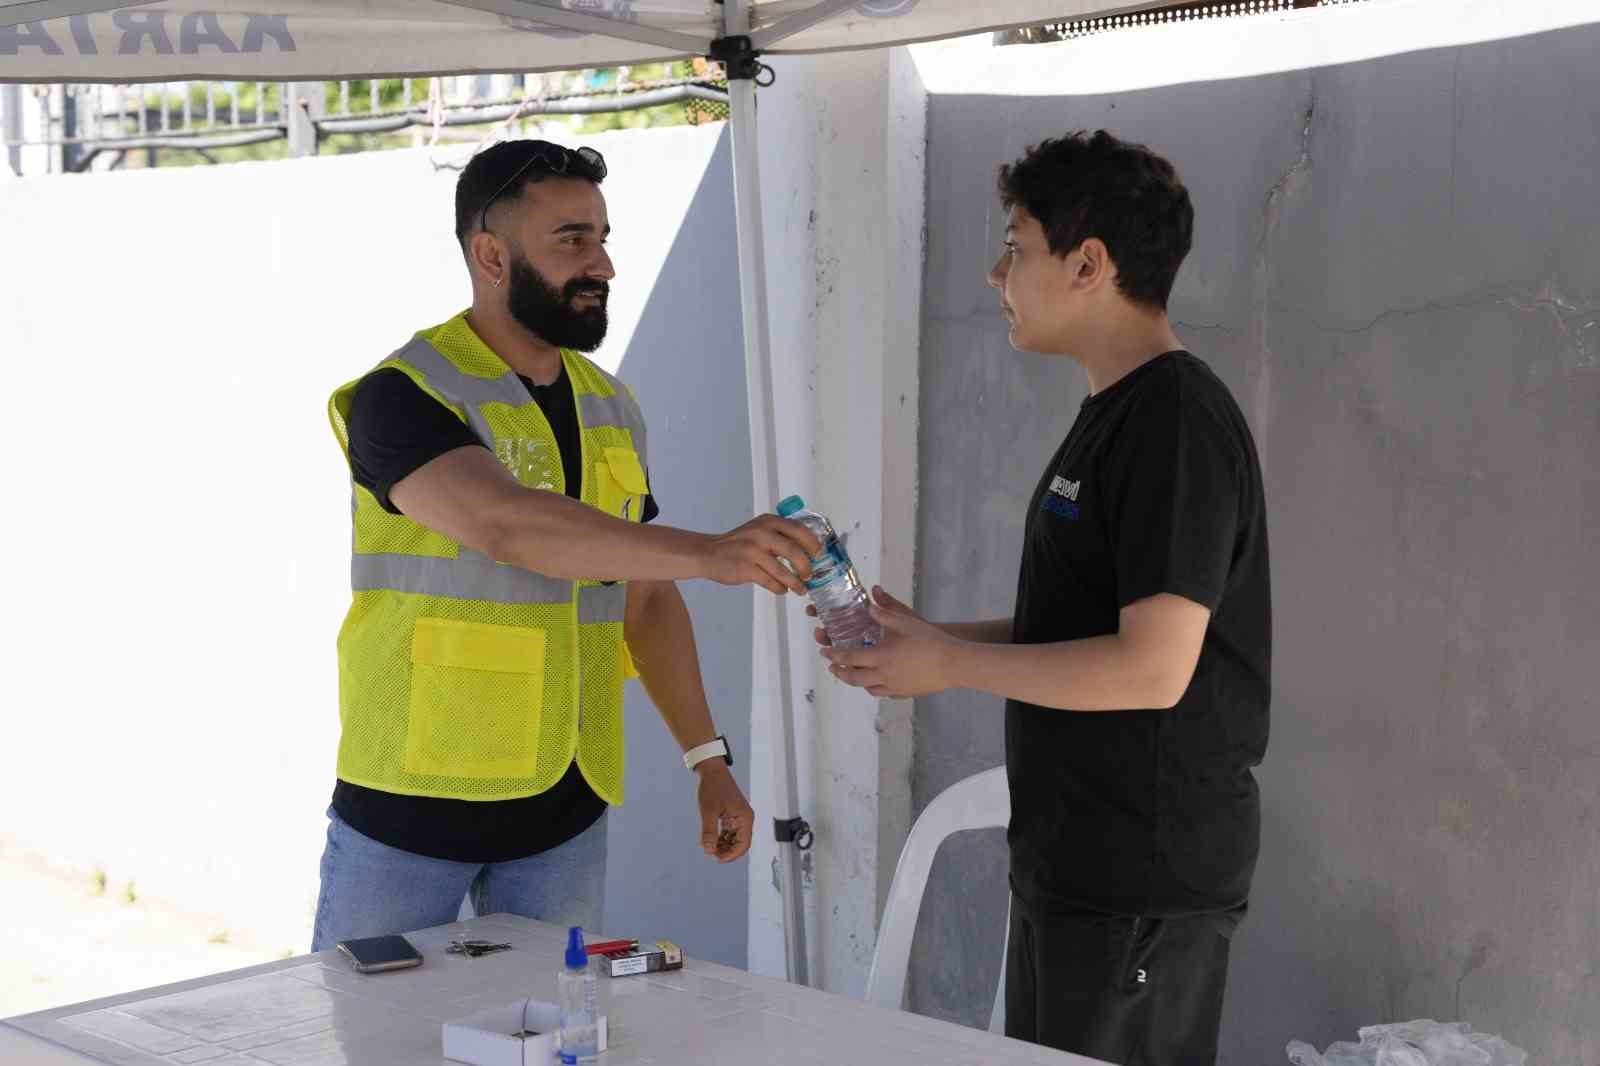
792,833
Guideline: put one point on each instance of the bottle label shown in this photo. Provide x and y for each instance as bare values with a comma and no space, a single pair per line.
825,567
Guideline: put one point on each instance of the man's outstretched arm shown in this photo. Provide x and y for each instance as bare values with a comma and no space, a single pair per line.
469,497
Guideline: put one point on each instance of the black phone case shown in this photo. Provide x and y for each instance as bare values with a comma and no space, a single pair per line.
378,962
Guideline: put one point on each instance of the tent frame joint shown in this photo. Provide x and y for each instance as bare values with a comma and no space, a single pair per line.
796,831
738,56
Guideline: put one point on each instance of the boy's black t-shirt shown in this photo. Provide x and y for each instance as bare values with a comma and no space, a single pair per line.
1156,489
395,428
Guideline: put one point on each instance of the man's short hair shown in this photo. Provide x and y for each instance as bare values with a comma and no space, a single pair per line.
485,176
1082,185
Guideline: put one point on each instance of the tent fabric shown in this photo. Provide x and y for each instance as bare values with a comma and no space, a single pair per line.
307,40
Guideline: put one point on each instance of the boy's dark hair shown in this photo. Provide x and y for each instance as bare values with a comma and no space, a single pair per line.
483,180
1081,186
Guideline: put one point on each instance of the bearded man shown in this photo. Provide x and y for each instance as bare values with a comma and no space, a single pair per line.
506,579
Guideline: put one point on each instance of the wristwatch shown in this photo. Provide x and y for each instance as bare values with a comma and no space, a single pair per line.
695,756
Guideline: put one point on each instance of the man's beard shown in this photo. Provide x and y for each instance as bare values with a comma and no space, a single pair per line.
548,313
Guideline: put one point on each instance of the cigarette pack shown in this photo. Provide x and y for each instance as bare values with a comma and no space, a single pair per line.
649,956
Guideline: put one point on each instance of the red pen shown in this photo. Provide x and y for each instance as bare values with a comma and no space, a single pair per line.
606,947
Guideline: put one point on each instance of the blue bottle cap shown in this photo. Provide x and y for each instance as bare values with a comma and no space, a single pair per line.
789,505
577,958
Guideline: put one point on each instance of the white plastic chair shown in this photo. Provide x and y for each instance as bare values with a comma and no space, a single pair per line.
981,801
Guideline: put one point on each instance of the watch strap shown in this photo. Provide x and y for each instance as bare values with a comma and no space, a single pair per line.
697,755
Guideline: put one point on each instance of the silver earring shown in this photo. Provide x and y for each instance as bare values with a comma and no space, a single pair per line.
498,280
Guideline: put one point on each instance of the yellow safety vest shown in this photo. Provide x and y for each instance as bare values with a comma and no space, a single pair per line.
465,678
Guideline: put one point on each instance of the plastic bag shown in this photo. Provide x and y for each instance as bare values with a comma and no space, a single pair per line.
1340,1054
1423,1042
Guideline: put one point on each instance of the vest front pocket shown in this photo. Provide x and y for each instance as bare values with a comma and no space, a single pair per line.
477,691
622,485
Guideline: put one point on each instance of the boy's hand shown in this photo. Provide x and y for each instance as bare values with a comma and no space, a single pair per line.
914,659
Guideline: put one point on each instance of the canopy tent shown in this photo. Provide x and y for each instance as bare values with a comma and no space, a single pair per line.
307,40
310,40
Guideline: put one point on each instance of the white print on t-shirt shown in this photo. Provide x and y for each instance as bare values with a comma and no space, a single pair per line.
1062,487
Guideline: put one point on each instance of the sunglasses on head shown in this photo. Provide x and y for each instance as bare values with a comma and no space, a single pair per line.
583,162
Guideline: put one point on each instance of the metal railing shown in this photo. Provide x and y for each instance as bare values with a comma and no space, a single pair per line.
79,124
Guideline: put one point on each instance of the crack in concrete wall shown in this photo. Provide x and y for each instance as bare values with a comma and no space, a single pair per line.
1580,325
1577,324
1280,188
1260,399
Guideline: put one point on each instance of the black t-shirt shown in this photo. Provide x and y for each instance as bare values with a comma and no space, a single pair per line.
395,428
1156,489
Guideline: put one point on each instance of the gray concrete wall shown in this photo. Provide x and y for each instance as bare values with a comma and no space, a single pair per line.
1397,271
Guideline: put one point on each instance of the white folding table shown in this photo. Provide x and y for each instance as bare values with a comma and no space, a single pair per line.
313,1010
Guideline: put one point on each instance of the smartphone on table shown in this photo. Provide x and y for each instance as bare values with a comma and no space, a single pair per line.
374,954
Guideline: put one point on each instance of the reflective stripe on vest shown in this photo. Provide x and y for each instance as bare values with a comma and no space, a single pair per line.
466,678
612,411
462,579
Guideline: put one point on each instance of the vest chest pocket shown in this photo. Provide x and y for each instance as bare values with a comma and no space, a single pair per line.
621,482
533,462
477,692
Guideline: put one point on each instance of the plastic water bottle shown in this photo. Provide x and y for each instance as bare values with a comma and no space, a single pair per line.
841,601
580,1014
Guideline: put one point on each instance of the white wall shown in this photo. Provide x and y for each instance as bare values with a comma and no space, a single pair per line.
177,512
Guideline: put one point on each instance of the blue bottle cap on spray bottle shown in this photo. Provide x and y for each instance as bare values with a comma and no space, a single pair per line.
577,958
789,505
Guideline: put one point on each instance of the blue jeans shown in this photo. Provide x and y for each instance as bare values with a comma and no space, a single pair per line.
371,889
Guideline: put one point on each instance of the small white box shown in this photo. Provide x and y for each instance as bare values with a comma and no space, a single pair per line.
493,1037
